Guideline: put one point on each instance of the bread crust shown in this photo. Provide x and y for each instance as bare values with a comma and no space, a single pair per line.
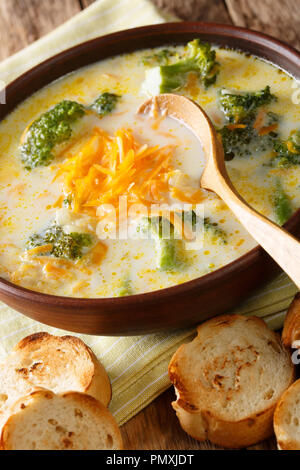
291,329
286,439
84,402
234,435
195,406
92,376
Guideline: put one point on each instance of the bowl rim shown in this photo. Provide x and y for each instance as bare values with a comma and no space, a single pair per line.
200,283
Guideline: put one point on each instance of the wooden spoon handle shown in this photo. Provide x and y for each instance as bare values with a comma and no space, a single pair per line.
281,245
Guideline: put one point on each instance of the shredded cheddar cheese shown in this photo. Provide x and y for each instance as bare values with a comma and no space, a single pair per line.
107,167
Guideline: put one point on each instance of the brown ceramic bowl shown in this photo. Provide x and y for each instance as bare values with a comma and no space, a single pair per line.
183,305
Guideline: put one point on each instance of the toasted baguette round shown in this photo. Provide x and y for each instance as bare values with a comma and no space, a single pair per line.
12,387
70,421
60,364
287,419
291,329
229,379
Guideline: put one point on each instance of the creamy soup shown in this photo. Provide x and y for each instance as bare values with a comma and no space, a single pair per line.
66,169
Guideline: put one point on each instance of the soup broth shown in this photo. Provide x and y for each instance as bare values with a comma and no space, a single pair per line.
97,264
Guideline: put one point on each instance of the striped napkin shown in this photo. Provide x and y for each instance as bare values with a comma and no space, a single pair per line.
137,365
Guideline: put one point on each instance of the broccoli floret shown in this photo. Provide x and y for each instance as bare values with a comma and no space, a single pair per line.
64,245
161,57
52,128
239,107
287,152
55,127
244,141
201,59
282,204
105,103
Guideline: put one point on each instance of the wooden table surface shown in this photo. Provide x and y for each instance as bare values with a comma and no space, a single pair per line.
24,21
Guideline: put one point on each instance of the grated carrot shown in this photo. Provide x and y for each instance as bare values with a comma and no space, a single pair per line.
98,253
231,127
79,286
39,249
186,196
55,272
266,130
258,123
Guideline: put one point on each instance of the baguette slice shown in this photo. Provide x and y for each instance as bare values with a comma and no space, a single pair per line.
287,419
229,379
57,363
61,364
70,421
12,386
291,329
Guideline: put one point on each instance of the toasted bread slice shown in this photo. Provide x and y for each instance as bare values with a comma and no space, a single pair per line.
56,363
12,386
229,379
70,421
61,364
291,329
287,419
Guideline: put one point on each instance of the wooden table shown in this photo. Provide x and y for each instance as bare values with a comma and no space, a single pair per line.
24,21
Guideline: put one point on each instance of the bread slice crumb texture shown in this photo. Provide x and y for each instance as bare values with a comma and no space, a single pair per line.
60,364
229,379
70,421
236,366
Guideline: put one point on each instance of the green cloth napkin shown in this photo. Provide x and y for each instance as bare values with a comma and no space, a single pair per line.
137,366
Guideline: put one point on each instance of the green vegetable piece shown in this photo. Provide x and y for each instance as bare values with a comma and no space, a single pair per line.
287,152
64,245
165,247
210,228
105,103
161,57
243,142
282,204
189,217
51,128
239,107
201,59
125,289
166,254
162,232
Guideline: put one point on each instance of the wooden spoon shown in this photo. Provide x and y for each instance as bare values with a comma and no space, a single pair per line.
281,246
